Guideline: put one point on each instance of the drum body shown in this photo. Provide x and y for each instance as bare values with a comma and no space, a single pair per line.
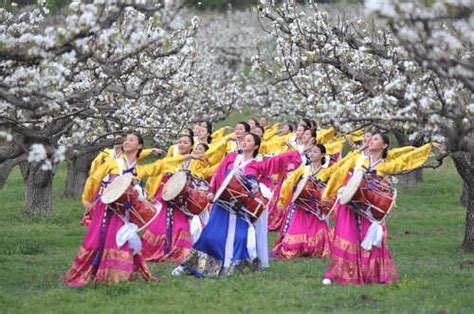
375,196
310,198
243,195
139,212
186,193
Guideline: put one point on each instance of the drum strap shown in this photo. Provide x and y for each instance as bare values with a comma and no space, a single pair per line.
100,248
289,217
169,227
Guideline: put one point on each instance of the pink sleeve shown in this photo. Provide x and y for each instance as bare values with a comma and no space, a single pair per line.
219,175
281,163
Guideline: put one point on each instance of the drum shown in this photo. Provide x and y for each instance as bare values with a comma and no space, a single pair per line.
371,195
243,195
308,195
122,198
185,192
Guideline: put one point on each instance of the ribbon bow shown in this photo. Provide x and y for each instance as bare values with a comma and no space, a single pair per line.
131,170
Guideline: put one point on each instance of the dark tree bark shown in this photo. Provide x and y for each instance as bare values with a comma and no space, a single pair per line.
77,173
38,189
464,163
7,166
79,159
464,196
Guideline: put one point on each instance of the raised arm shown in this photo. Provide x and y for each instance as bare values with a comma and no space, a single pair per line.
281,163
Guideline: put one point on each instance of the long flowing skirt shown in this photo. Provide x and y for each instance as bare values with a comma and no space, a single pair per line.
99,259
226,245
350,263
167,239
303,235
276,217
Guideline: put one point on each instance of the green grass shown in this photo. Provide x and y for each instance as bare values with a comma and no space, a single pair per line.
425,232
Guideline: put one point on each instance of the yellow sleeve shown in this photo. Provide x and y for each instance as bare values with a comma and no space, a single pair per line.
209,171
289,184
165,165
356,136
325,174
93,182
103,155
263,149
334,148
271,132
170,151
218,133
216,152
324,136
339,177
276,145
144,154
408,161
153,184
399,151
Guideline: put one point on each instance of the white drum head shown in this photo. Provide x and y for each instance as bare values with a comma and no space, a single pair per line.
300,187
174,186
116,188
351,187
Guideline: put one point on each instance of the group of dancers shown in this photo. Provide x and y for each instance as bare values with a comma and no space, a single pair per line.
277,161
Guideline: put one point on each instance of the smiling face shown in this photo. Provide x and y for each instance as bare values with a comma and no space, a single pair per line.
184,145
307,137
377,144
252,124
248,144
258,131
203,133
315,154
200,149
285,129
196,128
263,122
239,130
367,138
299,132
131,144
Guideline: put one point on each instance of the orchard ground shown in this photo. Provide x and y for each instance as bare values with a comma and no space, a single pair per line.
425,232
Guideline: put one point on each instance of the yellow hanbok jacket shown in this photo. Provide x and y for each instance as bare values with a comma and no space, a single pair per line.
109,153
290,183
271,132
405,161
198,168
111,166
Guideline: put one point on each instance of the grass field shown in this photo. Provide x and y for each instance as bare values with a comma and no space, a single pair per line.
425,232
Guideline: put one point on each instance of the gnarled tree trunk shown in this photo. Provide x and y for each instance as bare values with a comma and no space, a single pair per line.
77,173
7,166
38,189
464,163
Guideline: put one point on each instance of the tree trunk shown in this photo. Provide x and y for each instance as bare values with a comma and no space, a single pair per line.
464,196
412,178
464,163
7,166
77,173
468,243
38,189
